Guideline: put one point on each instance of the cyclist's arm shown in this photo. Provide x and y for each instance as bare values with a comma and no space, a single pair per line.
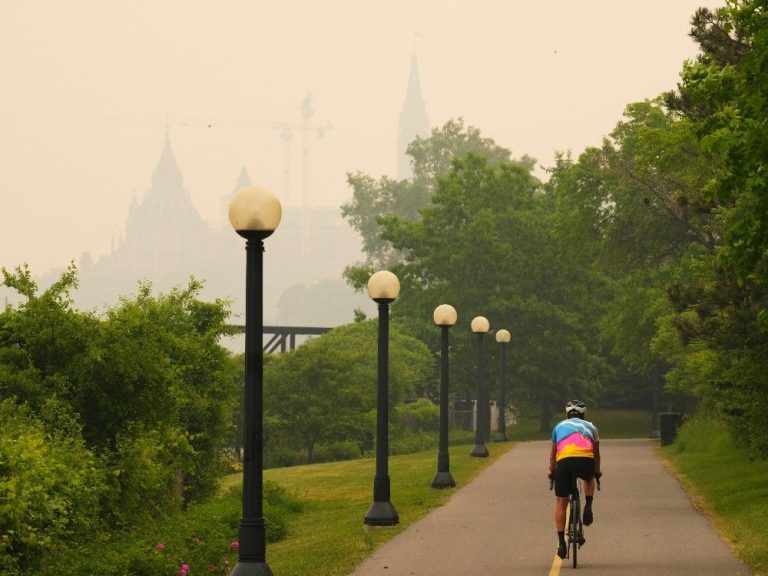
596,448
552,459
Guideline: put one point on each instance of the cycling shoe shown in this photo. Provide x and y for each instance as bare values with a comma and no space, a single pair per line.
588,517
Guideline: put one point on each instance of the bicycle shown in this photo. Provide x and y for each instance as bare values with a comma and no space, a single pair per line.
575,526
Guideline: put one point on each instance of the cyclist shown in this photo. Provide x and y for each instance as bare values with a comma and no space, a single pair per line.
575,450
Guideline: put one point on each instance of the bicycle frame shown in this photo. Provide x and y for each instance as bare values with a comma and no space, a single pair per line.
574,529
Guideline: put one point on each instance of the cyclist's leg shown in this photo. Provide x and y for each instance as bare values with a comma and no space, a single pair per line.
562,491
560,506
589,487
588,476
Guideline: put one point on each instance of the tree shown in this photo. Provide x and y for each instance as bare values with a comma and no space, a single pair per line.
149,384
722,309
635,207
325,390
485,245
156,368
373,199
41,340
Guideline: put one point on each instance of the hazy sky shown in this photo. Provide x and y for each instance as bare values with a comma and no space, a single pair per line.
87,88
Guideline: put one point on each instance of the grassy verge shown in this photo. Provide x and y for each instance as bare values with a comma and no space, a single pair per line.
728,484
611,423
329,538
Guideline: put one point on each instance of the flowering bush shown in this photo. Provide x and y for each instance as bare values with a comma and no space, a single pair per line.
202,540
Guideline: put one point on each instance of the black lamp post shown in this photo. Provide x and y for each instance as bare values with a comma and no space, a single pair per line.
445,317
502,337
254,214
480,326
654,433
383,288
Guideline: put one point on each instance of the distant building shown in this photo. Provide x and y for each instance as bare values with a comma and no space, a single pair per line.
166,241
413,121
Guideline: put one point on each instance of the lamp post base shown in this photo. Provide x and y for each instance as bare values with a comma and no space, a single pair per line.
251,569
479,451
501,437
382,514
443,480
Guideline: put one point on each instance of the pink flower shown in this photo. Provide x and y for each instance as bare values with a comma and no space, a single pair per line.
160,546
235,545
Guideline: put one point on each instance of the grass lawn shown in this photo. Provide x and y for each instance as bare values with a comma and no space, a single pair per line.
728,484
328,536
610,423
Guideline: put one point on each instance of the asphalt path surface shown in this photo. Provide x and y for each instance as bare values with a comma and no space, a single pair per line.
502,523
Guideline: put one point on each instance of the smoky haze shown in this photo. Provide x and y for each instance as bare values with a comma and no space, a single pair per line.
90,90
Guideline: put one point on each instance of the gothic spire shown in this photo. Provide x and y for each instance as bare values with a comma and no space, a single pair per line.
167,175
413,121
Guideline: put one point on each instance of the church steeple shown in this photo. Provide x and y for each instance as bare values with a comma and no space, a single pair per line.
413,121
167,175
166,222
243,181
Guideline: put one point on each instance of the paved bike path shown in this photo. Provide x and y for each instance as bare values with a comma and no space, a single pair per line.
502,523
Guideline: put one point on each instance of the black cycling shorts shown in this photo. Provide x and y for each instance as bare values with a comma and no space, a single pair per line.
583,467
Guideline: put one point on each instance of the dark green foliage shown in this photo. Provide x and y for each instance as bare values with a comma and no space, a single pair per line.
324,392
420,416
106,421
485,244
50,486
674,207
204,537
725,96
373,200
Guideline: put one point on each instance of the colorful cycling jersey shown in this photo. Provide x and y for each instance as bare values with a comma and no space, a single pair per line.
575,438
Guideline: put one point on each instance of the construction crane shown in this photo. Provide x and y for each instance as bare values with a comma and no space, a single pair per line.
307,129
286,132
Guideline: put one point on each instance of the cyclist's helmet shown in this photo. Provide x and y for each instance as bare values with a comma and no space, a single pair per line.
575,408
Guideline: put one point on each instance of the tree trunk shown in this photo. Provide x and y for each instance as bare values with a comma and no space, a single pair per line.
310,452
544,416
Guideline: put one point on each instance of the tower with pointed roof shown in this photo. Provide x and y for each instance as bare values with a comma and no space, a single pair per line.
166,241
243,181
165,225
413,121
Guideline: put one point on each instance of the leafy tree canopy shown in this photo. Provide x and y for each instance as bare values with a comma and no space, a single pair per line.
485,244
325,390
431,157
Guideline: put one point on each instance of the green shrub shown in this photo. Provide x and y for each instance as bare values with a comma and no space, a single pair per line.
703,434
146,474
50,486
348,450
283,458
204,537
420,416
413,443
